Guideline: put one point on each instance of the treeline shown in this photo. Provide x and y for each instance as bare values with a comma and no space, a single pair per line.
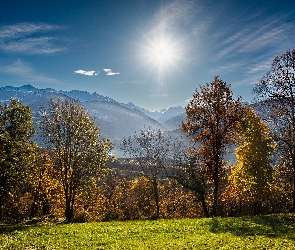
71,175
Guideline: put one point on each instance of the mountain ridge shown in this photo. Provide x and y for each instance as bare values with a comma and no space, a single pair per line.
116,120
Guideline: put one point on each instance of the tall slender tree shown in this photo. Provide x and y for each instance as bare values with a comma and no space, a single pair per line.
211,120
78,153
275,95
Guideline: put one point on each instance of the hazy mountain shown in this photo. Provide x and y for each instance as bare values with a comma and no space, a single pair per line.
115,119
171,118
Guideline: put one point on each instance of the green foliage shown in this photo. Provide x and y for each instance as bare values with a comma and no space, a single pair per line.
17,152
264,232
72,139
253,173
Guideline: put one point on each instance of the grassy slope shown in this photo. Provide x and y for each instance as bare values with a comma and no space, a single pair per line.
264,232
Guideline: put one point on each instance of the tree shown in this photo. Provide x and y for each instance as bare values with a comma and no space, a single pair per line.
189,173
211,120
253,173
276,94
185,166
149,149
78,153
16,149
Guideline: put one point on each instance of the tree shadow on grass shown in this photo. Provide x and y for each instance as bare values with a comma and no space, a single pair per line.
4,229
8,228
276,226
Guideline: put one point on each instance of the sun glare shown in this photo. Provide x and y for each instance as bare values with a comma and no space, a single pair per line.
162,53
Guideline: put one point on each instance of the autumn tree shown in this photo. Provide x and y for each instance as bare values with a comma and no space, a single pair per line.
77,151
253,173
44,188
149,149
211,121
16,148
275,97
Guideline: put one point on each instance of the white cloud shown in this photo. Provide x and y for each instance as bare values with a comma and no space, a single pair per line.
17,67
109,72
30,38
255,36
25,29
87,73
23,70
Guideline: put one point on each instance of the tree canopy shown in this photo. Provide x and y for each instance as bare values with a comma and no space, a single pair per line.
17,151
73,140
211,120
253,173
275,95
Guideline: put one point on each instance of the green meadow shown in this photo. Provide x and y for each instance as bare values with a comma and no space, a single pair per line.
261,232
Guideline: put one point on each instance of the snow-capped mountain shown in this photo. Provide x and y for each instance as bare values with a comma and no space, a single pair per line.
163,116
116,120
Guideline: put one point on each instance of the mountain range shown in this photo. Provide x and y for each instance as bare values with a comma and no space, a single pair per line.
116,120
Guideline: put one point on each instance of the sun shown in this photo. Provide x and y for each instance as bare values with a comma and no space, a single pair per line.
162,52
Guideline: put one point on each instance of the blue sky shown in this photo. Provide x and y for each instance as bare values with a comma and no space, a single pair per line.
152,53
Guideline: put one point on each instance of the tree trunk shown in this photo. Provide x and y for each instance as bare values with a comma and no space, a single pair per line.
1,211
215,197
33,209
156,196
35,203
215,191
293,166
257,208
3,195
293,206
46,206
69,213
204,206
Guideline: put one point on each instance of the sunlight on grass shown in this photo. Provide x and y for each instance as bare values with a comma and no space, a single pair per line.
264,232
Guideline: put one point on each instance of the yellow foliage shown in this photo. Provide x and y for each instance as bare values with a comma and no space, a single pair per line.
252,175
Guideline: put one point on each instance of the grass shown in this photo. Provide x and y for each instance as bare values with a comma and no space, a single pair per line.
261,232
